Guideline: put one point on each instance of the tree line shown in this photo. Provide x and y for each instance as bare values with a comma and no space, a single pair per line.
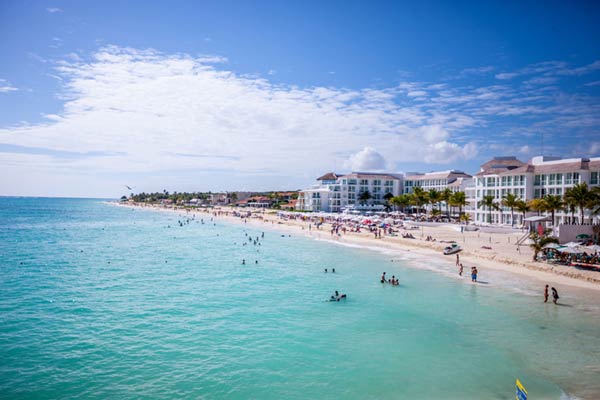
579,198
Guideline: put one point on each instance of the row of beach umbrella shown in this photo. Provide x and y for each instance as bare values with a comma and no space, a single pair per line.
573,248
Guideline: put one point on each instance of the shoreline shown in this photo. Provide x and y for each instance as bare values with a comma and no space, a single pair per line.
540,272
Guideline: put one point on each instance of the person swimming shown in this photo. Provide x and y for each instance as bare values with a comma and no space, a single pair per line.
383,280
337,296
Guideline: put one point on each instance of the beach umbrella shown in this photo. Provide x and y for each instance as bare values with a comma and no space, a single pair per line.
552,246
570,250
595,248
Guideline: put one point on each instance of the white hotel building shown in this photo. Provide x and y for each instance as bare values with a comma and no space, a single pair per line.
334,193
454,180
541,176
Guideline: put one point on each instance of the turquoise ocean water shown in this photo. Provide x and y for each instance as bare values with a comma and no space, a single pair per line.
98,302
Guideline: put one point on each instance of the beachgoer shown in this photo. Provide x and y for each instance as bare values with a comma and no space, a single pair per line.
546,294
383,280
457,260
473,274
554,295
333,270
460,269
243,262
325,270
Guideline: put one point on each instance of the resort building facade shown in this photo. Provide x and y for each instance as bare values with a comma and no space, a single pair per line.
541,176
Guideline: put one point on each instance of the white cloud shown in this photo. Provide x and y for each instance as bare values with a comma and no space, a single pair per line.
506,75
143,109
416,93
525,149
53,10
6,87
141,113
368,159
445,152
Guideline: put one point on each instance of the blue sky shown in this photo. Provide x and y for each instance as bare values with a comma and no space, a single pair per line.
259,95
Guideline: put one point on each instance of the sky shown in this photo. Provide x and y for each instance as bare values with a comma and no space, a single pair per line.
261,95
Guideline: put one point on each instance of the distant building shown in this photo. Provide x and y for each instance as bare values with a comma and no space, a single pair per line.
335,193
452,179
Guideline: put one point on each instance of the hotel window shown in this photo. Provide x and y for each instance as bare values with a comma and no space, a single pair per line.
352,189
575,177
351,181
389,183
343,181
559,179
594,178
551,179
364,182
537,181
490,182
569,178
536,193
559,191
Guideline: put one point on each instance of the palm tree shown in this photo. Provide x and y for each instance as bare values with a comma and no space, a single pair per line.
510,200
465,218
364,197
459,199
489,203
522,207
538,243
434,198
419,196
387,197
538,205
553,203
402,201
446,195
571,207
581,196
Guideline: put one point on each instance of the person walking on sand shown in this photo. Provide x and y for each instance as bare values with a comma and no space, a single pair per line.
460,269
546,294
457,260
555,295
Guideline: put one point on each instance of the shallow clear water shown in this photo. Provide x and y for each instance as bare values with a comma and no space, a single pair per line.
98,301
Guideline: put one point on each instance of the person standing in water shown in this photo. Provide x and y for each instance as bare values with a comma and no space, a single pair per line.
460,270
554,295
383,280
546,294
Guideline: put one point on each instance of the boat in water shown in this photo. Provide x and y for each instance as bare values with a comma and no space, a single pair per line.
453,249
